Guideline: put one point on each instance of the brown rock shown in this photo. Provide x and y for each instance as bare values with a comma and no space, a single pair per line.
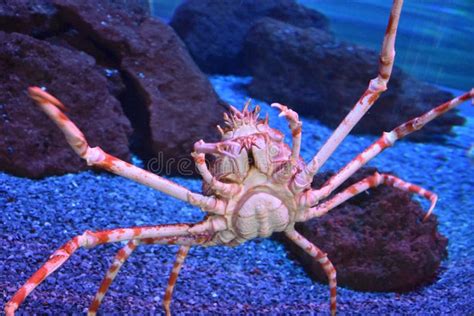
214,31
30,144
376,240
167,90
32,17
169,101
317,76
40,19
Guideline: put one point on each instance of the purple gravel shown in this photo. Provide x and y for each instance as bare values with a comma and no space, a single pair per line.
258,277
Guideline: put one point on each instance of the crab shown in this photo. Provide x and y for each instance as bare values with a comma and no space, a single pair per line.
255,185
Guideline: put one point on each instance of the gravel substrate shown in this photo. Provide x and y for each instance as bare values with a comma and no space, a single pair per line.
37,217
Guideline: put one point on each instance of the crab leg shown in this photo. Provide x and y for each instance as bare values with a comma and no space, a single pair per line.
178,264
322,258
124,254
91,239
220,148
119,260
97,157
295,127
221,188
370,182
375,88
385,141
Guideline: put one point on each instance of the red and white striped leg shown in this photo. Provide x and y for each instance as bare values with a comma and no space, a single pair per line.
178,264
91,239
322,258
375,88
385,141
365,184
97,157
119,260
124,254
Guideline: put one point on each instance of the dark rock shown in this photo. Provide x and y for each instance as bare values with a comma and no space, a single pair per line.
170,102
105,64
31,145
214,31
138,7
33,17
323,78
167,89
376,240
40,19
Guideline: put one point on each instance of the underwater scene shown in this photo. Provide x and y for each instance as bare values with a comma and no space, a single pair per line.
236,157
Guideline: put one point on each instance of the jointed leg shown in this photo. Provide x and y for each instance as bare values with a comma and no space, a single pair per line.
97,157
124,254
227,148
91,239
119,260
385,141
375,88
365,184
178,264
295,127
222,189
322,258
286,171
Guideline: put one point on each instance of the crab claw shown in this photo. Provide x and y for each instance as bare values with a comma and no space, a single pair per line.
216,148
42,97
283,108
289,114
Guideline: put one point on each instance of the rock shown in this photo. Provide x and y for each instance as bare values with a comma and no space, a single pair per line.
169,101
166,88
40,19
214,31
320,77
376,241
137,7
33,17
76,41
31,145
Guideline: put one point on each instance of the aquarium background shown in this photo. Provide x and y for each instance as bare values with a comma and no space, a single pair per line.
37,216
433,36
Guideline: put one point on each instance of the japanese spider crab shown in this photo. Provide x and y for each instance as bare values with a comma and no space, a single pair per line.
257,184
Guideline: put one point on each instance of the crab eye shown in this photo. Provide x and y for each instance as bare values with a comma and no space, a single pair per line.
274,150
279,152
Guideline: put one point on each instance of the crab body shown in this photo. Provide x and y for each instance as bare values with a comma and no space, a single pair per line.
254,158
258,210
